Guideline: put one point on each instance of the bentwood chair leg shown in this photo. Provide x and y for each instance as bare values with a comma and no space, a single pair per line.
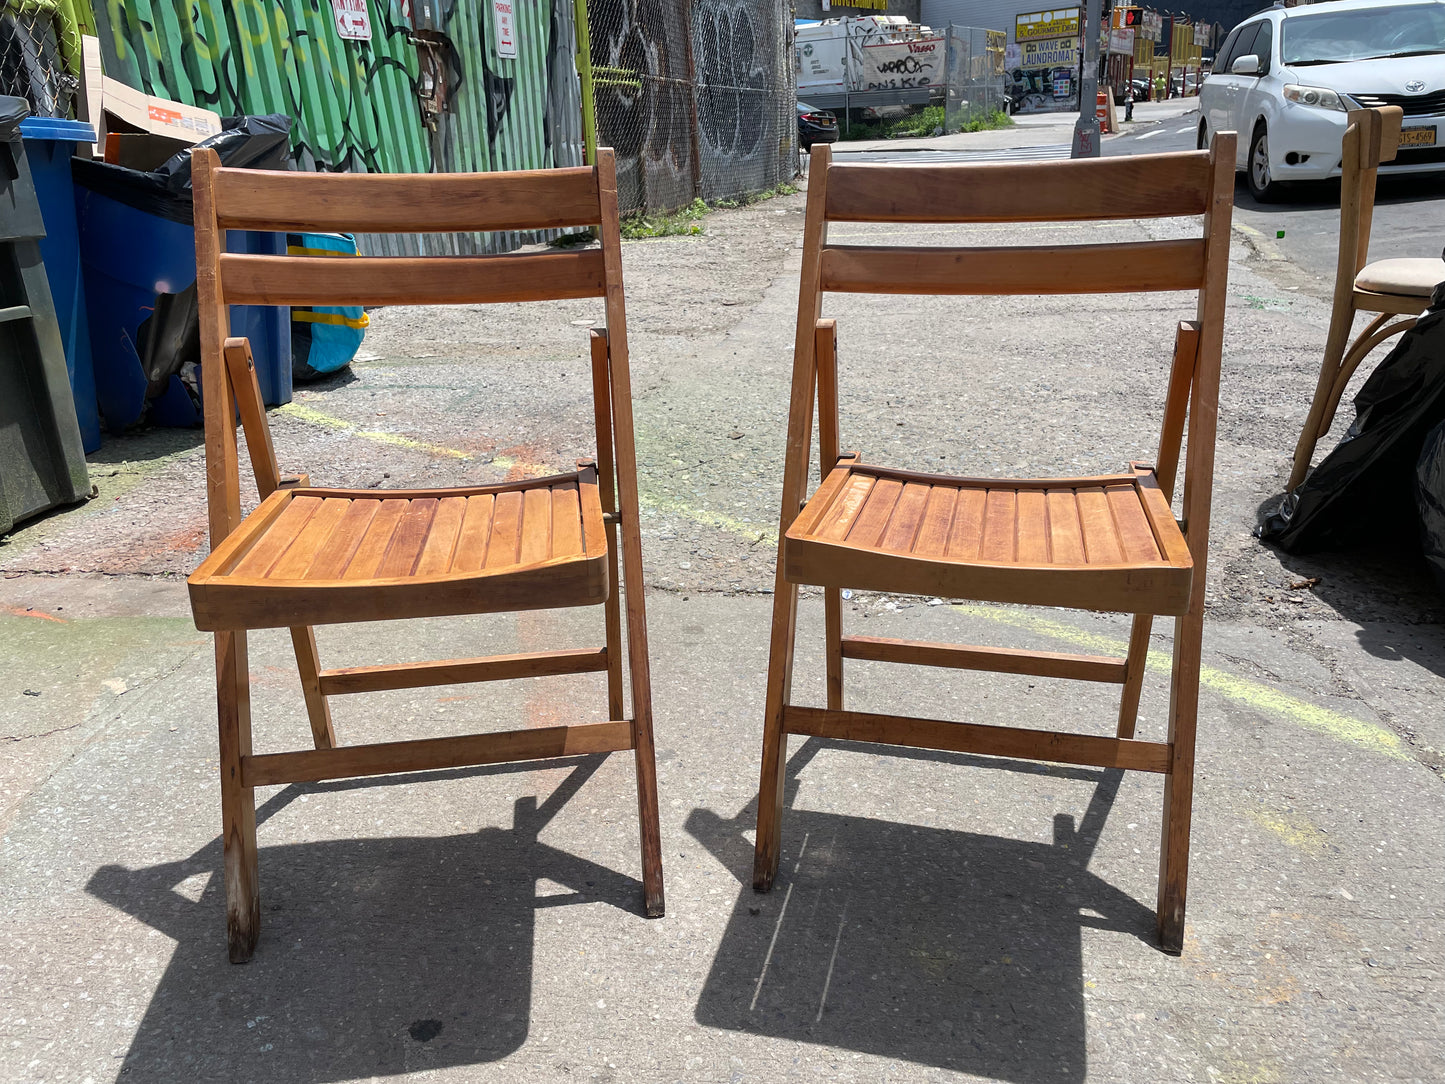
1179,782
303,639
1339,337
833,637
238,802
1134,667
768,847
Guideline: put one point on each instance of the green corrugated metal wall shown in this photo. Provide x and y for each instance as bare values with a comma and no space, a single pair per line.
354,103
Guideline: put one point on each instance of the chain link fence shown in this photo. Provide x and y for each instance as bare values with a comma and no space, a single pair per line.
973,77
695,96
34,49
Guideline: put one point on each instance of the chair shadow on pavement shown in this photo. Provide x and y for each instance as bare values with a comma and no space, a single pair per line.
932,946
386,956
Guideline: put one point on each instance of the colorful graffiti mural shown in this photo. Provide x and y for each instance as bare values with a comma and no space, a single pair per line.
426,92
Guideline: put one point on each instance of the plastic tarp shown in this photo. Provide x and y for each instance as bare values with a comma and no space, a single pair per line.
1430,502
1364,490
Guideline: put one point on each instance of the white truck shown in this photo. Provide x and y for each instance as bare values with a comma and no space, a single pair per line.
871,61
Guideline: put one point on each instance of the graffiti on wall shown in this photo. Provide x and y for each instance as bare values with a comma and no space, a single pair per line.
689,96
641,89
256,56
901,64
427,92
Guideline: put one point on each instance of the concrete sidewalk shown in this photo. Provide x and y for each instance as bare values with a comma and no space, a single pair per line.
938,918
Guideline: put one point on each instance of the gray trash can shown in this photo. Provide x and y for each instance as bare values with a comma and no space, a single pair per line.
42,463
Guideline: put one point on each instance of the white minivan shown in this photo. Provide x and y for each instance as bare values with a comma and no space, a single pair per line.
1284,79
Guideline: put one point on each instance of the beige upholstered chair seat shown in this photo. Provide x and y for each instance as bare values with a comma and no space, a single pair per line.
1410,277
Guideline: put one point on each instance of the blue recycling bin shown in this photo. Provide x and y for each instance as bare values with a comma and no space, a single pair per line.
49,145
140,274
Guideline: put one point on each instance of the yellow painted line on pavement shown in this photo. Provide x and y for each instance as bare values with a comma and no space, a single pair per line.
1255,694
330,421
665,505
1263,244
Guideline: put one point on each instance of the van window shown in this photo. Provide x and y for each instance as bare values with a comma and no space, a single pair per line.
1224,57
1261,45
1245,45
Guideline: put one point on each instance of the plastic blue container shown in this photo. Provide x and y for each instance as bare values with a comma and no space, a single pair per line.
49,145
131,258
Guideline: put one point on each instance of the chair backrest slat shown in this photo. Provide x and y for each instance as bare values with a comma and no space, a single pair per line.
251,199
434,280
1161,186
1064,269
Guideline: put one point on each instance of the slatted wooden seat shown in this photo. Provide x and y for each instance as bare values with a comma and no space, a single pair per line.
311,555
314,556
1064,542
1396,291
1100,543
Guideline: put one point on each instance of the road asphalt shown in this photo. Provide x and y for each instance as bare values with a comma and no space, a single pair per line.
938,917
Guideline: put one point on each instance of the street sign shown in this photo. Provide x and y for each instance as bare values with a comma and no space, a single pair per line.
353,20
504,16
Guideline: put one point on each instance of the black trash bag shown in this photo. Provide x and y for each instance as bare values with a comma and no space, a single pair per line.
1364,490
1430,502
246,142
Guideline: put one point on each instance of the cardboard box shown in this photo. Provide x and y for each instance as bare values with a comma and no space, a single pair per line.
111,106
141,150
128,109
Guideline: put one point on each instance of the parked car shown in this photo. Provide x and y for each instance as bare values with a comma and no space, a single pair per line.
815,126
1284,79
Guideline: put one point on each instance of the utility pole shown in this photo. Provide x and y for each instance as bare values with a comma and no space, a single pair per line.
1086,129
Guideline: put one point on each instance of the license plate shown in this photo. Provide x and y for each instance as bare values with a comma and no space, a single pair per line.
1417,137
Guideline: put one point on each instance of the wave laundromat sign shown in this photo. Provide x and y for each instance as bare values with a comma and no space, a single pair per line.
1060,53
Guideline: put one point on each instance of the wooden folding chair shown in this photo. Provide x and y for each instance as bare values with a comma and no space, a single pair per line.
1390,288
1100,543
310,556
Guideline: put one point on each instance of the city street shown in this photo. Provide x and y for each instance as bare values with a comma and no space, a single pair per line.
938,917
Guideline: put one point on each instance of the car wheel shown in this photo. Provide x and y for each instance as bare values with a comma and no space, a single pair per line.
1262,186
1203,143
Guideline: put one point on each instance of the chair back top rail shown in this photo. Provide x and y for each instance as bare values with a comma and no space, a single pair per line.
1063,269
1156,186
283,201
1371,137
412,280
1380,128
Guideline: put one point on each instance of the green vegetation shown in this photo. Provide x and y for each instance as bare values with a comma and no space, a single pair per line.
687,221
680,223
783,189
920,124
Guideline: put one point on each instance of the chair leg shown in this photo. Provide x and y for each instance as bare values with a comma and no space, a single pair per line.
1179,782
1134,667
308,662
775,739
642,741
612,616
238,802
833,634
1339,337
